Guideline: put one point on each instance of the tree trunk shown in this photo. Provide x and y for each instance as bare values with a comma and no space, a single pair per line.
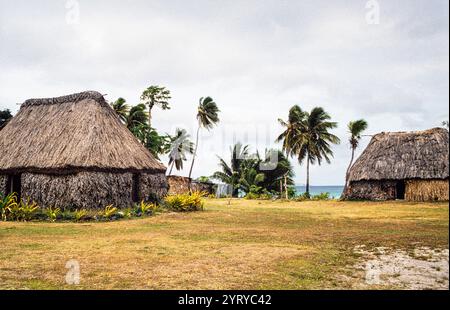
307,176
285,187
150,107
193,157
171,168
347,174
281,189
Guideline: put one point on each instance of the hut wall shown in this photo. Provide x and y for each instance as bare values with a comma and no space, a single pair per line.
180,185
372,190
152,186
3,183
427,190
82,190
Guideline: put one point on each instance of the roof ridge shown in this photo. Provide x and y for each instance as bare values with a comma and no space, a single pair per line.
94,95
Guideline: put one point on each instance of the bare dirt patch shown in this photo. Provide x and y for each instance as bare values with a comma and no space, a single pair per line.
422,268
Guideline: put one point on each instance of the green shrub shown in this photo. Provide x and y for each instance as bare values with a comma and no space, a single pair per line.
6,203
28,210
109,213
321,196
185,202
80,215
53,213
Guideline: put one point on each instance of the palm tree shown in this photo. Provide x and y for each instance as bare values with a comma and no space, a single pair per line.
231,174
179,146
283,170
291,136
207,116
307,137
121,107
136,117
5,117
355,129
155,95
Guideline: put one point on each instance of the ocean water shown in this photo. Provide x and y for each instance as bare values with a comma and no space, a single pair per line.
335,191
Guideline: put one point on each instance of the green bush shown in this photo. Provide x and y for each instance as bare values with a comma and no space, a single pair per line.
321,196
6,204
13,210
53,213
185,202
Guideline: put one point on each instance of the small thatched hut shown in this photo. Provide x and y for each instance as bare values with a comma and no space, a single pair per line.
73,151
403,165
180,185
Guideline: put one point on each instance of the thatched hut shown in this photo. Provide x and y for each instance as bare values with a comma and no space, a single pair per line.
180,185
403,165
74,152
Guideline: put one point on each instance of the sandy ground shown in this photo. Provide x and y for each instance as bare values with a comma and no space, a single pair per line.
419,269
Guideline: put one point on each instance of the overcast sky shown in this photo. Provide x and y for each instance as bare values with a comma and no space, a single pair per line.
256,58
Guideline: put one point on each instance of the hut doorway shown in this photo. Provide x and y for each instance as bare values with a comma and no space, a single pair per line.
400,190
135,188
14,185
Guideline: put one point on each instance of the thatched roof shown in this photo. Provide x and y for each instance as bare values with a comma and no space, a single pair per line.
71,133
404,155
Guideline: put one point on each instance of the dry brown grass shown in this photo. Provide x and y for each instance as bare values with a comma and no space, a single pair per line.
245,245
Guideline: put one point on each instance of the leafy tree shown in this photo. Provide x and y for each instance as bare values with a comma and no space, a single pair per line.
180,145
355,128
276,174
121,108
253,174
445,124
5,116
155,96
207,117
136,118
251,178
308,138
231,174
204,179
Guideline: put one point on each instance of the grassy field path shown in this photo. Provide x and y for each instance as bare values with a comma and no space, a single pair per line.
244,245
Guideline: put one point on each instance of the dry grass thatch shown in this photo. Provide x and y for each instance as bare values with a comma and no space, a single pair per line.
427,190
72,133
404,155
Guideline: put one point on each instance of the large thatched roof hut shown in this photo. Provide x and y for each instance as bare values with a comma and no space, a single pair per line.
403,165
73,151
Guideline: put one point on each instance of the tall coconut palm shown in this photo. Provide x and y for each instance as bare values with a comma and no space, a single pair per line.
207,117
155,96
308,138
180,145
355,128
121,108
231,174
136,117
291,136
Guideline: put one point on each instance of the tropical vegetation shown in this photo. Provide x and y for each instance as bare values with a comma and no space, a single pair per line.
207,117
180,145
307,138
24,210
254,175
5,116
355,128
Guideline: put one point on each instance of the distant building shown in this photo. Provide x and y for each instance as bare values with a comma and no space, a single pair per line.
403,165
73,151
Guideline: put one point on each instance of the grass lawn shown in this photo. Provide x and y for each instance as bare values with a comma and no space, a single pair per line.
245,245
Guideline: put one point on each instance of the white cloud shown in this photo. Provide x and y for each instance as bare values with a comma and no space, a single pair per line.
255,58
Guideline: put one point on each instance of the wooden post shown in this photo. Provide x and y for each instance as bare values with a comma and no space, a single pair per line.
285,186
281,189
